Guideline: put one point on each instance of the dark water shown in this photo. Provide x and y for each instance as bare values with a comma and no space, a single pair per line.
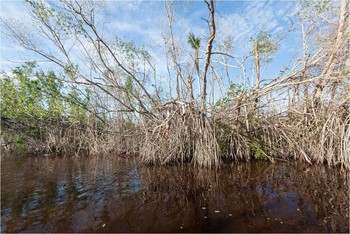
117,195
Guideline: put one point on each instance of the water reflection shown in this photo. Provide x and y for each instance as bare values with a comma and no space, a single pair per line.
118,195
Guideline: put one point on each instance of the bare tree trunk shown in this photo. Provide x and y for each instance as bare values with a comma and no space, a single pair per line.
333,92
173,49
294,97
257,70
190,87
197,61
209,49
342,33
306,89
305,58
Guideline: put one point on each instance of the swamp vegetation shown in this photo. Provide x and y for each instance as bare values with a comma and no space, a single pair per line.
188,133
106,95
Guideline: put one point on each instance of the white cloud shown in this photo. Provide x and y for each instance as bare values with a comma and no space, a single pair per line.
250,18
145,21
127,27
13,9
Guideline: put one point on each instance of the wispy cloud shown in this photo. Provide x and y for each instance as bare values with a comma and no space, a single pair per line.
145,22
14,9
251,17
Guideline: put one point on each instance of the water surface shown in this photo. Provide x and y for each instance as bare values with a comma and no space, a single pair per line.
110,194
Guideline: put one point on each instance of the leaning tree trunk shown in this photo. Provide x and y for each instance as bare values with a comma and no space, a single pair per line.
342,33
207,60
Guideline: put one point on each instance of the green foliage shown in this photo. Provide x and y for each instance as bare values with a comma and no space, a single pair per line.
318,6
234,91
31,95
32,99
19,142
52,88
65,23
128,83
21,95
224,132
129,87
257,151
265,43
195,44
75,113
267,46
133,55
345,72
254,120
227,43
132,52
194,41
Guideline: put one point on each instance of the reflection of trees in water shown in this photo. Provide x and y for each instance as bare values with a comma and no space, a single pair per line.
60,193
295,192
45,190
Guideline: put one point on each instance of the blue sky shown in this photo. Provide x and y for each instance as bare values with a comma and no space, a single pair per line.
145,23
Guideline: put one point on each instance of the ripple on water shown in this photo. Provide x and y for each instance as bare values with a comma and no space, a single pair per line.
115,195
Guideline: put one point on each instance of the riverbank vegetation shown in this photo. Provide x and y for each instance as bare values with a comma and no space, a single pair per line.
107,96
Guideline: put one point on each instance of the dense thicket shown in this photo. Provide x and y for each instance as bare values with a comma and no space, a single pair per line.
119,104
39,114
